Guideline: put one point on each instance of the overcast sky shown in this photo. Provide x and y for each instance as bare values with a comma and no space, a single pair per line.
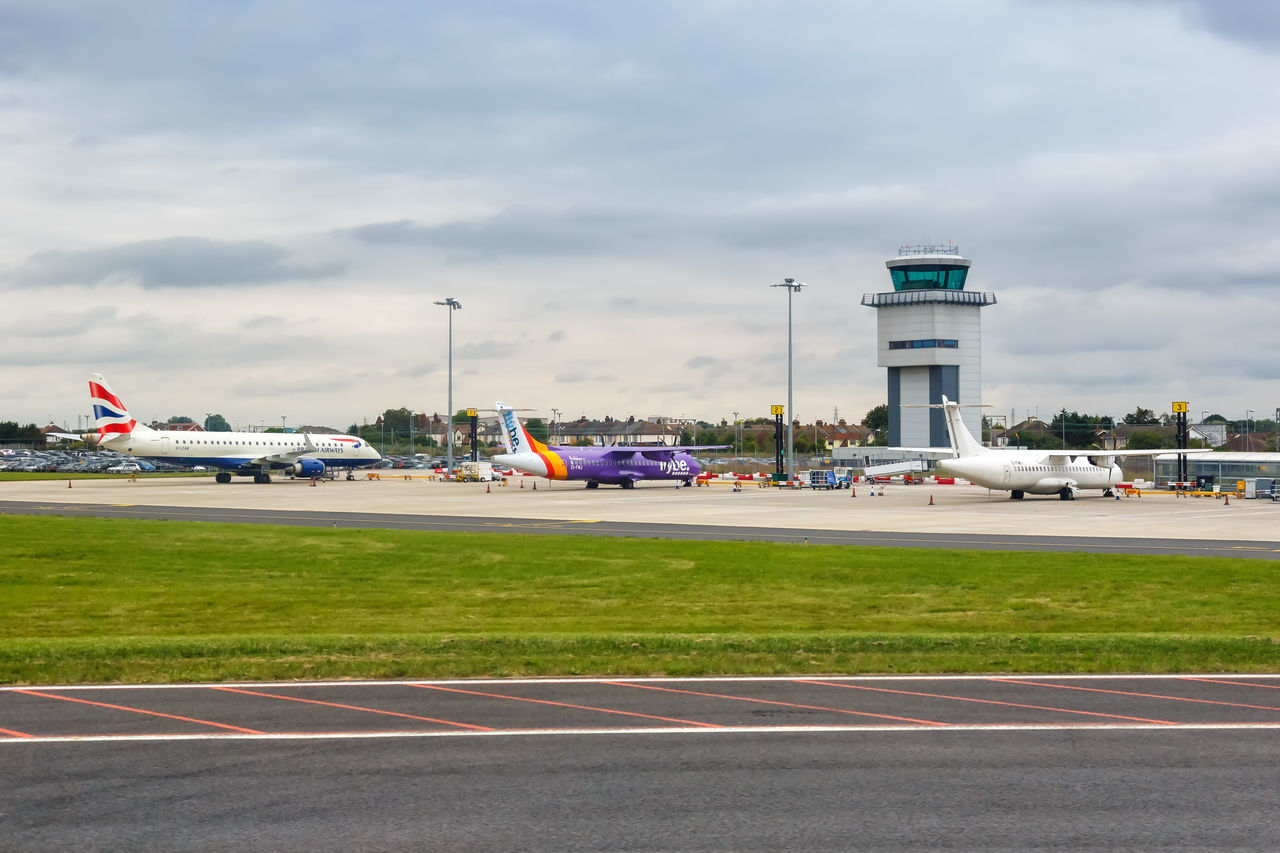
250,208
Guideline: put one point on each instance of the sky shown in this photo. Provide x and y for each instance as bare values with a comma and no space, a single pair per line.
251,208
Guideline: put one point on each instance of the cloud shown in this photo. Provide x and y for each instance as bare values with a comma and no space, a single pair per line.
177,262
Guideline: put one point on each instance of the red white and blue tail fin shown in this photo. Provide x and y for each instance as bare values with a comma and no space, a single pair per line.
110,417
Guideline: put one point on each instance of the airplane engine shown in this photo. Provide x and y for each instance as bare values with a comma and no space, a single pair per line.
307,468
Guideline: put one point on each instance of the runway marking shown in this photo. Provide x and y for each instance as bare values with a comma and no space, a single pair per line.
1234,683
948,730
775,702
568,705
984,701
139,711
1142,695
352,708
13,733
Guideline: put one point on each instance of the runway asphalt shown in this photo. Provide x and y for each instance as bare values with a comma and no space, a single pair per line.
959,516
906,763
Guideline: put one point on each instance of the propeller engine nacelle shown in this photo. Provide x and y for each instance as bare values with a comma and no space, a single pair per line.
307,468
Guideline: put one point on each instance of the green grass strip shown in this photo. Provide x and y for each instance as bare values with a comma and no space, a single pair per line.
104,600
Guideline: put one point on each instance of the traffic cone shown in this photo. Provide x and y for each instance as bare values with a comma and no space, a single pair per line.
522,484
486,489
930,499
68,484
313,482
535,485
1226,499
853,493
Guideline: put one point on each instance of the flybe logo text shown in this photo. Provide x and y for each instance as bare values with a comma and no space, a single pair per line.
675,466
513,429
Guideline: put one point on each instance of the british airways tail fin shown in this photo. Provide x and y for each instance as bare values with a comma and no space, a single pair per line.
515,437
110,416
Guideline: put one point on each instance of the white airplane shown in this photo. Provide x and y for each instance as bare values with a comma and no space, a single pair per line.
243,453
1033,472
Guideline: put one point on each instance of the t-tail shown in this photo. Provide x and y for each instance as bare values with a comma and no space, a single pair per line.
514,435
962,441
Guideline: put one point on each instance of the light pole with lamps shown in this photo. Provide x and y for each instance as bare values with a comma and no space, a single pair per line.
737,442
453,305
553,438
792,286
1248,416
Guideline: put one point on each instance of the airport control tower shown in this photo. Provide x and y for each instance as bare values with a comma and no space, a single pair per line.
929,336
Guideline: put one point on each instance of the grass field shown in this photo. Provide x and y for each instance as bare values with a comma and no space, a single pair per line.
101,600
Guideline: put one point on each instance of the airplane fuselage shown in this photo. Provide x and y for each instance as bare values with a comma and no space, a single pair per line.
244,452
1033,473
620,466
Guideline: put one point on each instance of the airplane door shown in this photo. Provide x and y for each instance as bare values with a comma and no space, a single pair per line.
1008,472
164,445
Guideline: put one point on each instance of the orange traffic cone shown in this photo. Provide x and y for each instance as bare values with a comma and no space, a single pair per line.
1226,499
522,484
313,482
486,489
931,499
68,484
535,485
853,493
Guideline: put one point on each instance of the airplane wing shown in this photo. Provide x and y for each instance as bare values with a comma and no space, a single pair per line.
1060,455
660,452
287,457
931,452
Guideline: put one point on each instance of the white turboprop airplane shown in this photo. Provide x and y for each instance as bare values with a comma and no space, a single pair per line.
244,453
1033,472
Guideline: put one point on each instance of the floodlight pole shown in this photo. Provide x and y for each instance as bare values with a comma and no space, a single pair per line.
453,305
792,286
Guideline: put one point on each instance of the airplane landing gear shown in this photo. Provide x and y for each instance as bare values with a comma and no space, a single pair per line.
222,477
1066,494
628,484
592,484
1017,495
262,477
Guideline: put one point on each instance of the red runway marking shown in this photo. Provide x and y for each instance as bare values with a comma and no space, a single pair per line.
774,702
1225,681
1142,695
353,708
568,705
140,711
984,701
12,733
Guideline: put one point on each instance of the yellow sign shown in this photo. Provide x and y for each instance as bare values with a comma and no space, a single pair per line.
471,413
776,410
1179,407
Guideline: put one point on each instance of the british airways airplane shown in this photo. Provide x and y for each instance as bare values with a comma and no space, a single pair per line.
621,466
253,454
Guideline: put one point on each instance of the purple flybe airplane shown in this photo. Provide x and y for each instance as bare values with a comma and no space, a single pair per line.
621,466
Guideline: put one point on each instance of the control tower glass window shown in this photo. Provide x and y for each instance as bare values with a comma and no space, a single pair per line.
931,277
